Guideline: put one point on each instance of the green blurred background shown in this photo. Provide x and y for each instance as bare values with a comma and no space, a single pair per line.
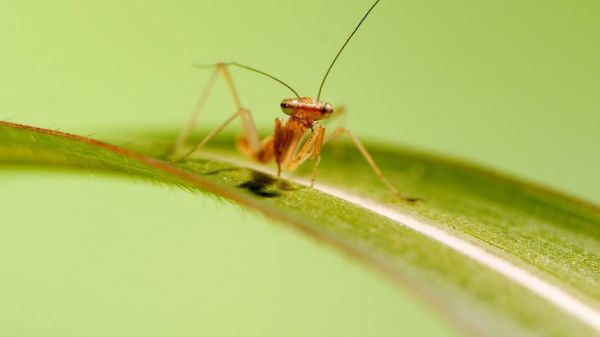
513,85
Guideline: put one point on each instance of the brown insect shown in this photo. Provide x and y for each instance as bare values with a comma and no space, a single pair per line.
294,140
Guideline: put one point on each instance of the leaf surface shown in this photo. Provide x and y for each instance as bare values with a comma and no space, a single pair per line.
495,255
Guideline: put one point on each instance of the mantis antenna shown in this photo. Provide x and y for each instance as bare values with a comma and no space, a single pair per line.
251,69
344,46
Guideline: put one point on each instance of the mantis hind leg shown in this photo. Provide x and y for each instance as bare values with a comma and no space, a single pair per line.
358,144
250,133
186,132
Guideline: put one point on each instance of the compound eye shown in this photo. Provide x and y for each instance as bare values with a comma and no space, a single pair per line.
327,109
287,107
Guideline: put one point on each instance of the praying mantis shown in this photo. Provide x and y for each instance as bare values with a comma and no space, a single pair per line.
295,140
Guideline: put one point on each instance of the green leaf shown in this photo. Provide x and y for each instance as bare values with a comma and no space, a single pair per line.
495,255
